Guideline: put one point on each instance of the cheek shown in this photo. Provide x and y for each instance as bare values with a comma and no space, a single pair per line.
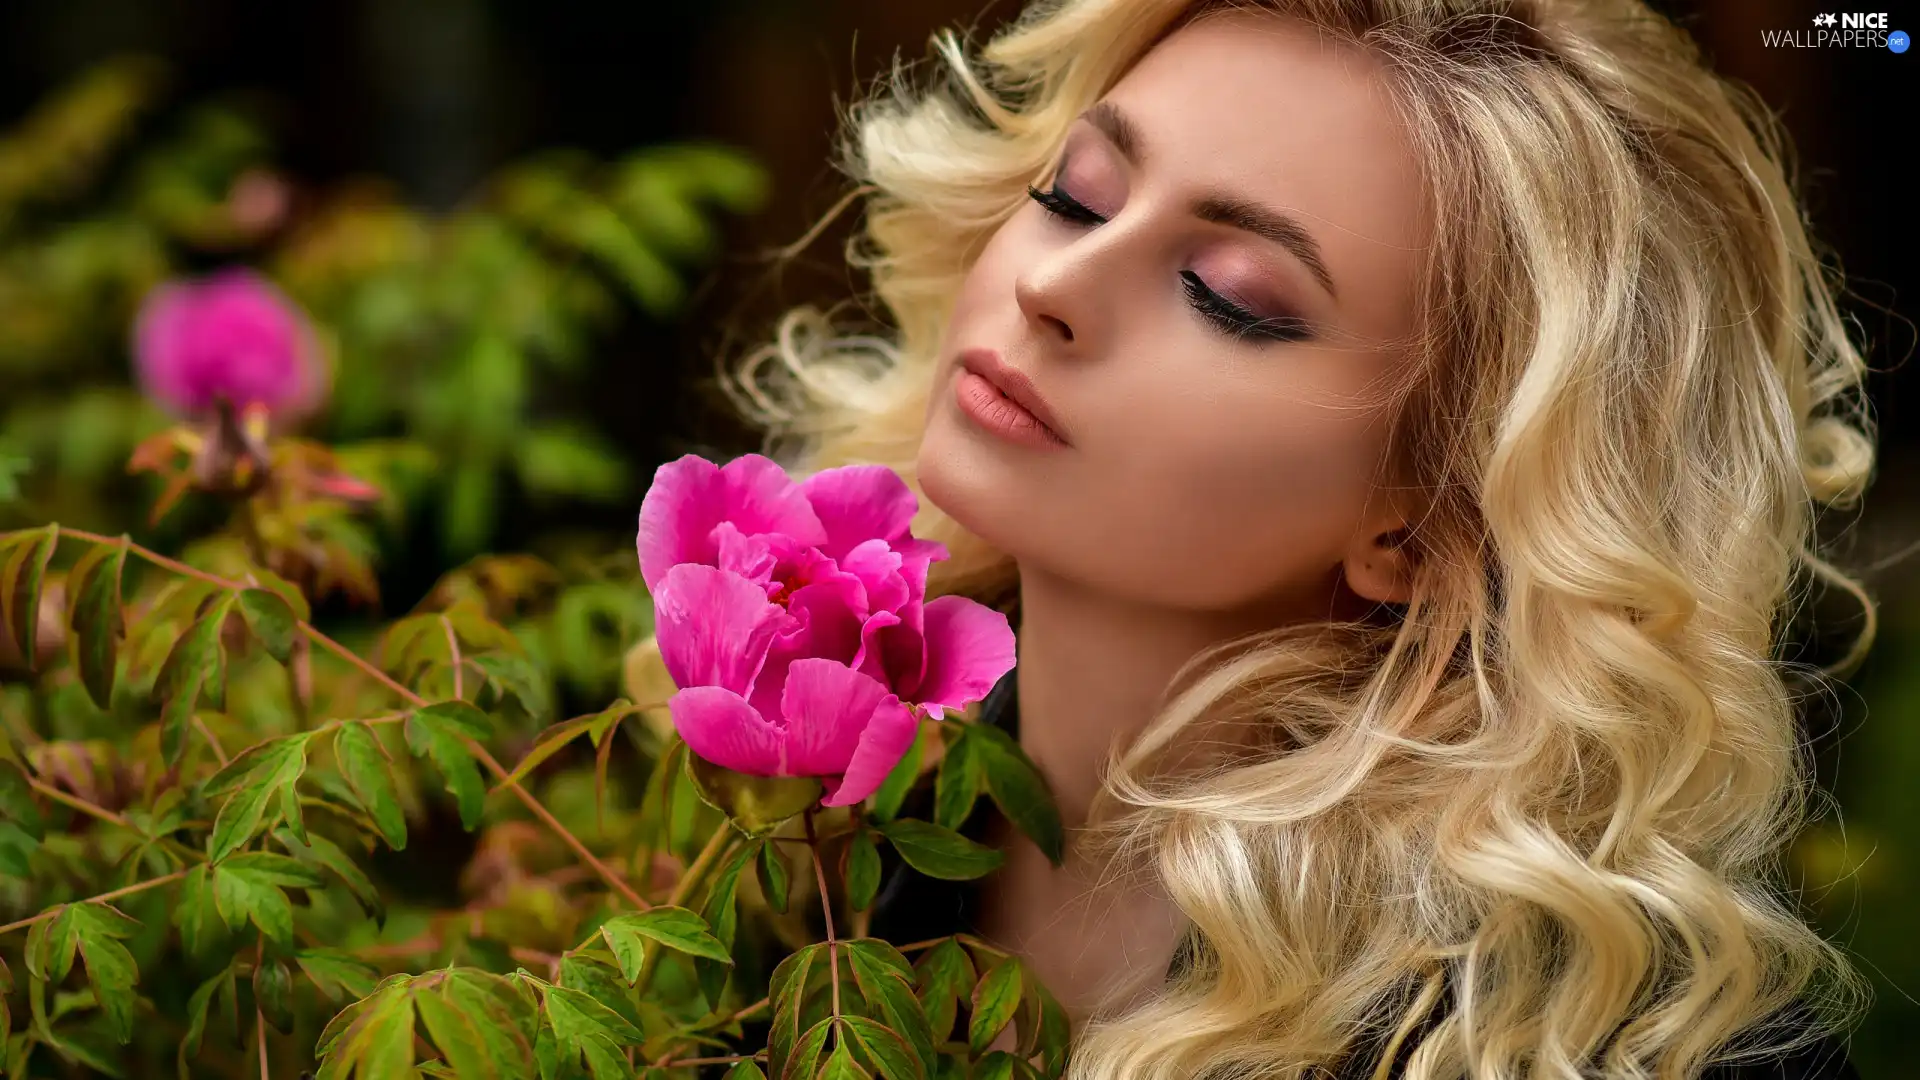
1232,501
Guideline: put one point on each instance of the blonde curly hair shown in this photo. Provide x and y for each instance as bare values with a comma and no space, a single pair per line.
1535,826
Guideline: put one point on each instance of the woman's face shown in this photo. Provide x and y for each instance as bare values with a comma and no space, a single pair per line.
1242,171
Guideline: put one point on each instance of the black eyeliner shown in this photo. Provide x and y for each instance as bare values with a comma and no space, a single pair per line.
1227,316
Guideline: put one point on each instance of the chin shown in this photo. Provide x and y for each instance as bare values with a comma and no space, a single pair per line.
976,489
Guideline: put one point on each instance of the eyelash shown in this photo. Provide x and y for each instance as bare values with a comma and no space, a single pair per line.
1229,317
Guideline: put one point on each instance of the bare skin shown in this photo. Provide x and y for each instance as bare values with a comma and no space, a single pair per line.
1211,484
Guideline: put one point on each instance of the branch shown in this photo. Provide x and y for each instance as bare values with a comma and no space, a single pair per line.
826,910
615,881
259,1014
102,898
77,803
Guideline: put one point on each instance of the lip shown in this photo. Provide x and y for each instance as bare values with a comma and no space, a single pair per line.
1001,398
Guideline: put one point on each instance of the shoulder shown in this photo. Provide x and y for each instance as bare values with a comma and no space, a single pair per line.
1822,1060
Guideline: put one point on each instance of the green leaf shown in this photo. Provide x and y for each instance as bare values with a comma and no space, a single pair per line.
23,571
194,670
576,1016
884,804
248,887
457,1036
999,1065
675,927
16,852
604,1060
942,976
269,772
291,813
886,979
17,803
721,914
516,675
323,854
1056,1030
273,992
1018,789
771,869
958,781
110,967
198,916
271,869
569,461
197,1008
270,621
786,991
366,769
840,1064
801,1063
940,853
995,998
555,738
891,1055
377,1044
439,733
338,975
863,870
745,1069
755,804
603,983
96,617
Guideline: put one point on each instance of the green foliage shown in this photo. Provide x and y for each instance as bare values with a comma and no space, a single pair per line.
438,326
243,896
435,844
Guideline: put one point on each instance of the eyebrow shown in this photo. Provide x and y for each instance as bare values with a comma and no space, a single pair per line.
1280,228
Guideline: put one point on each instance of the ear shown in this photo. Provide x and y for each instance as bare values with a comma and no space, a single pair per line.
1380,566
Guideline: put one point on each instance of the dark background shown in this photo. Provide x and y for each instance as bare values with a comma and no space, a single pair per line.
436,94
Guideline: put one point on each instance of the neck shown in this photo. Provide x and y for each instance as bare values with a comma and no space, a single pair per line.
1093,671
1095,668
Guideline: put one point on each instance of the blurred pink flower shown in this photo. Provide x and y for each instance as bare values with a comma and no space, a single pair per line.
233,336
793,617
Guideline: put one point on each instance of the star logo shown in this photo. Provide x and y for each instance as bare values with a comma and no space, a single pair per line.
1826,19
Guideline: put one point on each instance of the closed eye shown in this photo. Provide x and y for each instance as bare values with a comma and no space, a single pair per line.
1223,314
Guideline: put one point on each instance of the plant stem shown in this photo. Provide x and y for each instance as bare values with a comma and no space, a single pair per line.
614,881
259,1014
219,752
722,842
453,653
826,910
761,1056
683,889
79,804
102,898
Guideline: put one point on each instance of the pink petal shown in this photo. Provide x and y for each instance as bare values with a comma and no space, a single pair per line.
884,742
715,628
824,623
969,646
751,557
827,705
872,657
691,496
721,727
762,498
878,568
859,502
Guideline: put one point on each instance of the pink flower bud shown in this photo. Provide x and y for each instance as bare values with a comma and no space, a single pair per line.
233,336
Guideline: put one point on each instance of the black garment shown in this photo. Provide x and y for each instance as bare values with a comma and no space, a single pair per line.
911,907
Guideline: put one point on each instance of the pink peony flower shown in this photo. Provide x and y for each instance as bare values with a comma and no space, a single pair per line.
793,617
232,336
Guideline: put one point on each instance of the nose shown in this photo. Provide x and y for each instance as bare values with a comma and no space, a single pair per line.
1041,291
1066,287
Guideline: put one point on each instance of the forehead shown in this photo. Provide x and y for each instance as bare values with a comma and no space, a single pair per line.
1267,108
